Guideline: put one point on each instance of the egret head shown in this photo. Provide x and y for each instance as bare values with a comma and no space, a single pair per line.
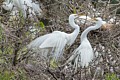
73,16
105,25
99,20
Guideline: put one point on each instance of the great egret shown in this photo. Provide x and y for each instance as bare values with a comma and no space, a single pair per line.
56,40
83,55
27,5
7,5
24,6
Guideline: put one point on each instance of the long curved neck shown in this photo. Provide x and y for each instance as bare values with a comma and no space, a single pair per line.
84,34
72,23
74,34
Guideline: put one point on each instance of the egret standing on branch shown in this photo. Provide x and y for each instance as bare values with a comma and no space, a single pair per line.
56,40
83,55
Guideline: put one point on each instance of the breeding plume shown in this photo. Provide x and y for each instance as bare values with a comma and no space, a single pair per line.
56,40
83,55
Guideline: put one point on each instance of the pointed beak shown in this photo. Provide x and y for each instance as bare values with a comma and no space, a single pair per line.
93,20
81,14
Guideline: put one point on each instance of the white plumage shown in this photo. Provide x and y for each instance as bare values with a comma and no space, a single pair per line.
85,52
36,8
56,40
83,55
27,5
7,5
24,6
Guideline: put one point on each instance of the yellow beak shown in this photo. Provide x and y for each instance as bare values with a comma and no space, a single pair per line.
81,14
93,19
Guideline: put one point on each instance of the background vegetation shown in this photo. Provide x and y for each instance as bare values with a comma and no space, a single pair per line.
17,63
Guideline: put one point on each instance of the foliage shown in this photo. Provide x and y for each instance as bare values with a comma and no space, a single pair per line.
111,76
18,74
7,75
53,63
41,24
17,33
114,1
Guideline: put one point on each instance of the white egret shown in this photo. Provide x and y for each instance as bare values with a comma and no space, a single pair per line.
56,40
24,6
36,8
27,5
7,5
83,55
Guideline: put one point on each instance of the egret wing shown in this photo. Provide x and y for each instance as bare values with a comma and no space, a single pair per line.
54,40
85,52
82,56
57,41
38,41
86,56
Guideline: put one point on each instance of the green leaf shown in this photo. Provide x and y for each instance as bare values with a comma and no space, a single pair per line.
53,63
114,1
111,76
42,24
2,60
6,75
74,10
